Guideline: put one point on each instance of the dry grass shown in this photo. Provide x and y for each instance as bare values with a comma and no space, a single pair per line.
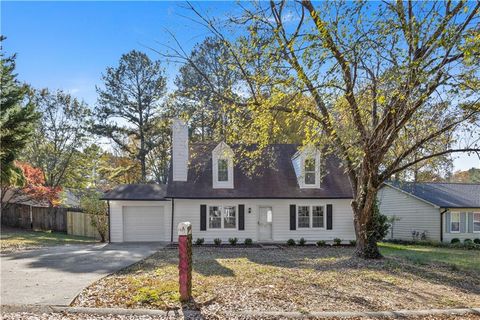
13,240
292,279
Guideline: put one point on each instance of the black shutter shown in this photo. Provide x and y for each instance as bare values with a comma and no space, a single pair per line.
203,217
329,217
241,217
293,217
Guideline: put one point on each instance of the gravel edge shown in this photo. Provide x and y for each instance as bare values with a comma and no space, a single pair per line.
189,313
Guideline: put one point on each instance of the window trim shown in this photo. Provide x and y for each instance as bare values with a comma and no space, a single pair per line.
307,158
227,169
459,221
310,220
222,222
473,221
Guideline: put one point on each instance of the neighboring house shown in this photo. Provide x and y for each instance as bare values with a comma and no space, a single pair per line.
441,211
288,194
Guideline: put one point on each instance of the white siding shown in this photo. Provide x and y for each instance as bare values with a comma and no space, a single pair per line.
414,214
189,210
117,218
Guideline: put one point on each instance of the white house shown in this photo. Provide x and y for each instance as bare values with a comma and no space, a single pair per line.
439,211
286,194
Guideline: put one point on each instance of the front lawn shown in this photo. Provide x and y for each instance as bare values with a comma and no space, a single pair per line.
12,240
290,279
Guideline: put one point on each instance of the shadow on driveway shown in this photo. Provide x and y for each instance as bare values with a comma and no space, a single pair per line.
55,275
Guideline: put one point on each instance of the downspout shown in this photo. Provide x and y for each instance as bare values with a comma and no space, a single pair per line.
441,224
173,213
109,216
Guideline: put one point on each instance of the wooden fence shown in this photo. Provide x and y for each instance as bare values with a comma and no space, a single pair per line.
36,218
79,224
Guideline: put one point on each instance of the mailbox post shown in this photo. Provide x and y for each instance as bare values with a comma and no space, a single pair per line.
185,260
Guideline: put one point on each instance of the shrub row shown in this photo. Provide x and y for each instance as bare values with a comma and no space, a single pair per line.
218,241
320,243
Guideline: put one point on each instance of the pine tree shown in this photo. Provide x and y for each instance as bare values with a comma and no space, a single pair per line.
17,121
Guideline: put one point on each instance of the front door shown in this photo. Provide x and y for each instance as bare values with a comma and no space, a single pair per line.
265,217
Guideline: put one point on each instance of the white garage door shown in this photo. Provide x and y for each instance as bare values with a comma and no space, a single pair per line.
143,224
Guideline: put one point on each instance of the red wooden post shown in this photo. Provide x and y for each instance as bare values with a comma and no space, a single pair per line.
185,260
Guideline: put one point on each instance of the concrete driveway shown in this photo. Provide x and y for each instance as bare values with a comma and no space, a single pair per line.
55,275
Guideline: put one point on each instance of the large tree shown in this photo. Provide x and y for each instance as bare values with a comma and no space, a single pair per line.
17,121
388,82
60,137
198,97
130,105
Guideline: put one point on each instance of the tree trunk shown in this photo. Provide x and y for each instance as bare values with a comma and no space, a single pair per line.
366,245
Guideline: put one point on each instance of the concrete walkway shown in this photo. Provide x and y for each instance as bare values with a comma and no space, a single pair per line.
55,275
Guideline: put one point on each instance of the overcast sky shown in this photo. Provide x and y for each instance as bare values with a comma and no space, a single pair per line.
67,45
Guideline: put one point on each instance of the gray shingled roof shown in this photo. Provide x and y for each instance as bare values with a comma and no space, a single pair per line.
155,192
276,179
444,195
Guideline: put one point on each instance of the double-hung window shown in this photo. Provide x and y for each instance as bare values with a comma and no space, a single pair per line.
317,217
222,169
310,171
476,222
229,217
222,217
303,216
455,222
311,217
215,217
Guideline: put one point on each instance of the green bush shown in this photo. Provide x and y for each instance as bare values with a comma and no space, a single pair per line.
217,241
302,242
248,242
353,242
321,243
337,241
467,241
290,242
476,241
454,240
199,241
146,295
233,241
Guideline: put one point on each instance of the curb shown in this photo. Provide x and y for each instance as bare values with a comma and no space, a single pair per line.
39,309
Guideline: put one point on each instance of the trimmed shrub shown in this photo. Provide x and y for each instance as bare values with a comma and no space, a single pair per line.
217,241
233,241
290,242
248,242
454,240
321,243
476,241
467,241
337,241
199,241
353,242
302,242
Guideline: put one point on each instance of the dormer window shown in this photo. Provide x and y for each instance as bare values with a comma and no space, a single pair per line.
222,167
306,163
310,171
222,170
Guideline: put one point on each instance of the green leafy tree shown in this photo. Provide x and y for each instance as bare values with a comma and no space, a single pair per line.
18,119
388,82
98,211
59,138
130,106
